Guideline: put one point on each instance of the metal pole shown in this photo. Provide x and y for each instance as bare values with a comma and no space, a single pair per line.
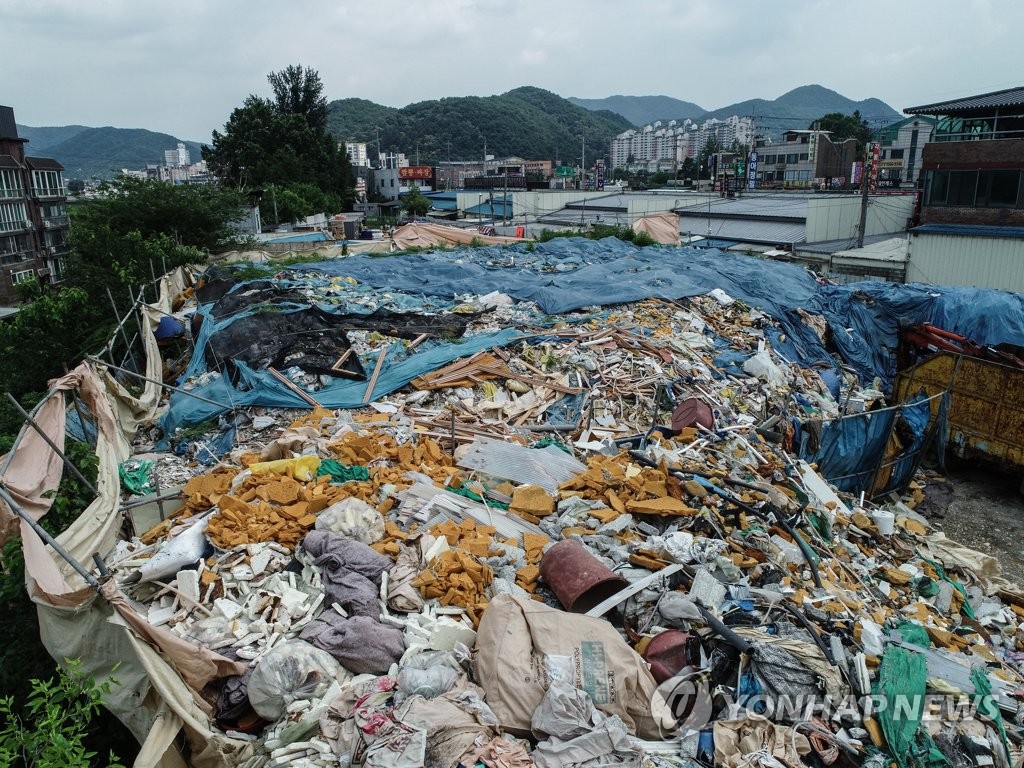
124,333
89,578
154,381
49,442
18,439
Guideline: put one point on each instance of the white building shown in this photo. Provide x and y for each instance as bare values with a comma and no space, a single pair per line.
176,158
357,153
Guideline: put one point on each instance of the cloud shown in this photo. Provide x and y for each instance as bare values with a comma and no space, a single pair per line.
182,68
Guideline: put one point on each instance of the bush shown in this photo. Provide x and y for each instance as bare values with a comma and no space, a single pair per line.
53,724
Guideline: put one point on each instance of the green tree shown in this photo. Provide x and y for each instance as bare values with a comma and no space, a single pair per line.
688,168
844,127
76,186
299,91
51,730
711,147
283,141
415,204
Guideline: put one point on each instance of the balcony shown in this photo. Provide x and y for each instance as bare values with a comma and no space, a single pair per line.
56,222
49,192
11,194
15,226
13,257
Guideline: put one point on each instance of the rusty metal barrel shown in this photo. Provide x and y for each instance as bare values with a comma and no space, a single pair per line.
578,579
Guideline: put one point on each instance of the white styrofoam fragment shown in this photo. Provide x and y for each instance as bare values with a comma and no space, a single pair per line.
229,609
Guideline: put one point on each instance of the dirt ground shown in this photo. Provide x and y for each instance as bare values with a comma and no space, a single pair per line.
982,508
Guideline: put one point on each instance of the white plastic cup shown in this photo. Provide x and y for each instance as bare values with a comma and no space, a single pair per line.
885,520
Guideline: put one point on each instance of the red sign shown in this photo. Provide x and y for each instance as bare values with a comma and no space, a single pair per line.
416,172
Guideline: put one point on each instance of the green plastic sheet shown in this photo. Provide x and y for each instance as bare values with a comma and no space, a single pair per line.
342,473
135,476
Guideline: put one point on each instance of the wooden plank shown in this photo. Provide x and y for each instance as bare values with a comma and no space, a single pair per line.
294,388
376,372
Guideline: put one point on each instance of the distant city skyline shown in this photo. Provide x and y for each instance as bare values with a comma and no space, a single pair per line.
130,64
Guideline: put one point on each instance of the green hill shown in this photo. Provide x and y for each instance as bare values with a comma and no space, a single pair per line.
100,152
643,110
526,122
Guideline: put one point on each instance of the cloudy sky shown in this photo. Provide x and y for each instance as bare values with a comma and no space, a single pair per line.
182,67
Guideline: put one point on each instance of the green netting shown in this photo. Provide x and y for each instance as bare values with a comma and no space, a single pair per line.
966,610
987,707
901,691
914,633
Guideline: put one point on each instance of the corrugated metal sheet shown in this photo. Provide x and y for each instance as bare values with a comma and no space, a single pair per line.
778,205
982,262
745,230
1010,97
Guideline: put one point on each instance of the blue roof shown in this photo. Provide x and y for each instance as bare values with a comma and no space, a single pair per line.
444,204
490,209
969,230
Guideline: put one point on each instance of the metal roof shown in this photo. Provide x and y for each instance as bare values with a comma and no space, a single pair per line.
828,247
747,231
780,205
969,230
43,164
1011,97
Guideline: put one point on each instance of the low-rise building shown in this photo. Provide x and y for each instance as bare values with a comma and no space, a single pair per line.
806,160
972,208
902,151
34,220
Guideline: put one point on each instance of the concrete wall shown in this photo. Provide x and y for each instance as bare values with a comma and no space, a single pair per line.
982,262
837,218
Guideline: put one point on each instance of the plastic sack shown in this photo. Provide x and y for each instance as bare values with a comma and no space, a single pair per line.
293,670
354,518
428,674
684,547
763,367
301,468
518,637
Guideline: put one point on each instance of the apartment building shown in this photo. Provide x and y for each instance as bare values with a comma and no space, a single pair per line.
33,214
660,146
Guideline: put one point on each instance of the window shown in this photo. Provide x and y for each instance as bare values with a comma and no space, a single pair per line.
952,188
803,157
10,184
896,154
23,276
792,158
12,217
48,183
998,189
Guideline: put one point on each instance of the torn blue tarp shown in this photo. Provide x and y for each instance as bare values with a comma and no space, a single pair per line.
850,450
259,388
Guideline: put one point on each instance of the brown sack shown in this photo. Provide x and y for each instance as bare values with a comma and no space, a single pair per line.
520,642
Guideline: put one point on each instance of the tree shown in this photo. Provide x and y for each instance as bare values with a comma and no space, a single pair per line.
283,141
711,147
689,168
844,127
298,91
76,186
415,204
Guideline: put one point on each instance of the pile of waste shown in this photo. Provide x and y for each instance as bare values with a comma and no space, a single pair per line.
635,534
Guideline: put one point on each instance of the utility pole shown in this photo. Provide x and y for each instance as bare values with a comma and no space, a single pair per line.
583,162
863,198
380,161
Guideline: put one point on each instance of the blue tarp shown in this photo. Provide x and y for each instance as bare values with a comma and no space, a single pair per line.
567,274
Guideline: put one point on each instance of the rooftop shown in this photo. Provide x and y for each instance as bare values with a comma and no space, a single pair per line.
1010,97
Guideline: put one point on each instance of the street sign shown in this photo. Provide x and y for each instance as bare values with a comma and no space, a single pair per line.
565,171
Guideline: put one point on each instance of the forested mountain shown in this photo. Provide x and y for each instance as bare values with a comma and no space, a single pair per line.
792,110
100,152
642,110
526,122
